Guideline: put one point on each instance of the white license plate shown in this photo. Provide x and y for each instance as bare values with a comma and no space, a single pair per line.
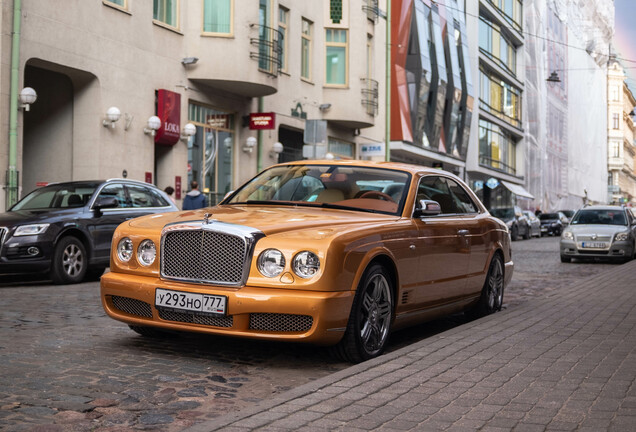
192,302
595,245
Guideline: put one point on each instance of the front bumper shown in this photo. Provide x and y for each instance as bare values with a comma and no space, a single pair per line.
25,254
617,250
252,312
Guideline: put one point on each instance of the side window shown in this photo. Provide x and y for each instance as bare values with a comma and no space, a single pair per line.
141,197
452,198
115,190
464,203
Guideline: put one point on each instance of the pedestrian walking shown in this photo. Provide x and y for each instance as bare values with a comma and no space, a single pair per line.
194,199
170,190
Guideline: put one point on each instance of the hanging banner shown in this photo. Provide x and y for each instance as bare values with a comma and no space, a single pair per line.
169,111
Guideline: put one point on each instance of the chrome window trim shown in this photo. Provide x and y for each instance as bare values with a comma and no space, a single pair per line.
249,235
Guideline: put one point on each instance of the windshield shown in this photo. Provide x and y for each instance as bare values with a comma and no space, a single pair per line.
599,217
548,216
503,213
347,187
58,196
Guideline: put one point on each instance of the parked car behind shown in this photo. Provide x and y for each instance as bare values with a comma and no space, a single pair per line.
66,229
534,223
553,223
600,232
328,252
568,213
515,220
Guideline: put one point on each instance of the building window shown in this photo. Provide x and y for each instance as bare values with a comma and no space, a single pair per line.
615,150
500,98
512,10
496,46
218,17
615,121
283,21
614,93
305,57
336,67
211,151
340,149
497,148
121,4
166,11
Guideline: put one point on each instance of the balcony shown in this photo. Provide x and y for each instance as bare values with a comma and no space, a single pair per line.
495,164
371,8
345,110
370,96
244,65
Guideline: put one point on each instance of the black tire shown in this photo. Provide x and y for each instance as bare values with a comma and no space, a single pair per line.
491,299
526,235
565,259
514,233
370,319
149,332
70,262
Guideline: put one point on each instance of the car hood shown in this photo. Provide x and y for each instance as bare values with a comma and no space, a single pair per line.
545,221
21,217
268,219
597,229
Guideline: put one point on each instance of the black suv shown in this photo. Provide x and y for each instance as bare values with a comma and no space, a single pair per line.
66,229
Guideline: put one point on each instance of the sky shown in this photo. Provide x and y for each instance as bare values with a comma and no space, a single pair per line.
625,37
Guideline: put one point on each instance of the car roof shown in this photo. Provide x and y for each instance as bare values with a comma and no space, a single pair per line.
603,207
99,182
413,169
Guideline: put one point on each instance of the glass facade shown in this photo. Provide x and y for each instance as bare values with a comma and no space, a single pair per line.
496,46
499,98
211,151
512,11
497,148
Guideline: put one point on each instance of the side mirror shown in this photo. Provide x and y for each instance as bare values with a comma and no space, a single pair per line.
427,208
105,203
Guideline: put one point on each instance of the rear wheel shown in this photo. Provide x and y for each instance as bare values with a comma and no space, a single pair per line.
491,298
526,235
514,233
370,319
69,262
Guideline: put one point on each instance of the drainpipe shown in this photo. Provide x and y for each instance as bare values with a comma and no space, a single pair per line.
259,144
387,125
12,173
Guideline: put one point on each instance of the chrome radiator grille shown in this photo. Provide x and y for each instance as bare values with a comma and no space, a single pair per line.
208,253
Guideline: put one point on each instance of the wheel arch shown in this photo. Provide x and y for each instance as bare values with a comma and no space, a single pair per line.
80,235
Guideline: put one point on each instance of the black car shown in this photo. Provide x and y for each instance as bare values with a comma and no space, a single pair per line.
517,222
553,223
65,229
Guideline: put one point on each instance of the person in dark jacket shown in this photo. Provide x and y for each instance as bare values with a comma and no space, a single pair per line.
194,199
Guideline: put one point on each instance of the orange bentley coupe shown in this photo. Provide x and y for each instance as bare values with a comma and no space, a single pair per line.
334,253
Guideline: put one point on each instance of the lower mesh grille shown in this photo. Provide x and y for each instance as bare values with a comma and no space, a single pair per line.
280,322
132,306
209,320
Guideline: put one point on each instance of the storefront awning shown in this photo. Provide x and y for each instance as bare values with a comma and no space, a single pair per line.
518,190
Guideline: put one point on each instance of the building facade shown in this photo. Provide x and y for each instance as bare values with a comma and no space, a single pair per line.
261,81
620,137
496,154
432,93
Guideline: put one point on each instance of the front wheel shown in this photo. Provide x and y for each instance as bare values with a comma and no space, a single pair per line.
370,319
69,262
491,299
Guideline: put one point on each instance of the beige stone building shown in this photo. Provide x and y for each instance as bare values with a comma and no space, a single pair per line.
315,69
621,133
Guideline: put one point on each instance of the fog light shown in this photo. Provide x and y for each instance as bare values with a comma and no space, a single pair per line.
33,251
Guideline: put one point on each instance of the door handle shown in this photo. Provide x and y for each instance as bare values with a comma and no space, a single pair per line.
463,232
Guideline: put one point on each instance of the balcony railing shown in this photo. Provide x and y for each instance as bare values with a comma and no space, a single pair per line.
370,95
372,9
496,164
270,49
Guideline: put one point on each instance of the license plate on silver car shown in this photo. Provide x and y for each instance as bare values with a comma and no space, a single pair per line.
594,245
204,304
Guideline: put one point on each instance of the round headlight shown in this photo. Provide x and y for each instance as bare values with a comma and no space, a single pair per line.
306,264
271,262
621,236
146,252
125,249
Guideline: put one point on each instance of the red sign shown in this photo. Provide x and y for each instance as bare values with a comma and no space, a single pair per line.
148,177
262,121
177,187
169,111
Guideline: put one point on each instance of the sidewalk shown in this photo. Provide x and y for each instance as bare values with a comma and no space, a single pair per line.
565,362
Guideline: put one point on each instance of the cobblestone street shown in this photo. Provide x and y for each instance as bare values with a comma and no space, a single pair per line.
66,366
